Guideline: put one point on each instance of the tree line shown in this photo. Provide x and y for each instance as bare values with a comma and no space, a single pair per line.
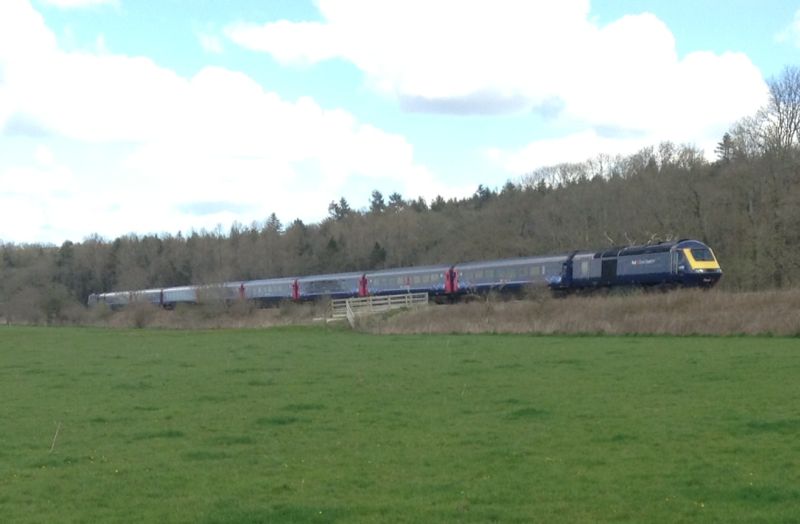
745,204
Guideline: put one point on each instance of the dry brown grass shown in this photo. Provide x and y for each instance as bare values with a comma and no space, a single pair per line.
209,316
684,312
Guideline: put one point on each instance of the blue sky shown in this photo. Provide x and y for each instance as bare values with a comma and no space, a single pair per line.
123,116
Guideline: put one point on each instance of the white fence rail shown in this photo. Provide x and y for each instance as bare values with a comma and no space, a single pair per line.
350,308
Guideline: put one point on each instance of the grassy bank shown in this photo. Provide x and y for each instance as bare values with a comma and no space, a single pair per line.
326,425
684,312
681,312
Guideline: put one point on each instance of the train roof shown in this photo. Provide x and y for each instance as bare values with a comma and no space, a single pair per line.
412,270
265,281
687,242
134,292
331,276
660,247
506,262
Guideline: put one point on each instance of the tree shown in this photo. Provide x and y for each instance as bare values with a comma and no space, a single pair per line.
419,205
377,256
782,114
509,188
725,149
438,204
396,202
376,204
482,196
273,224
339,210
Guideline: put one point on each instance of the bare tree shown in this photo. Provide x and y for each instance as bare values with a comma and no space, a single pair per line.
782,114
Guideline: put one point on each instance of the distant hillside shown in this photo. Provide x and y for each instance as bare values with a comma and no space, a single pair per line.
745,205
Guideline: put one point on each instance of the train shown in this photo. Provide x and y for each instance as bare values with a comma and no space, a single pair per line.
665,265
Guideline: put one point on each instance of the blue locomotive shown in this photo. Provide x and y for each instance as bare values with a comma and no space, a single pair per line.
684,263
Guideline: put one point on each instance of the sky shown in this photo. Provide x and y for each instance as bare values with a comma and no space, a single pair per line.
160,116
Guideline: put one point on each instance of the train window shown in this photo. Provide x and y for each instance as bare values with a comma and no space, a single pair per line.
702,255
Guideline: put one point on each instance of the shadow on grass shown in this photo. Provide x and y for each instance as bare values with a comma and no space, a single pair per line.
277,421
233,512
158,434
791,425
205,455
527,413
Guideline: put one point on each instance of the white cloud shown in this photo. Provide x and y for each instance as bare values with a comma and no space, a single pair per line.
571,148
452,49
215,137
210,43
623,78
35,198
791,33
79,4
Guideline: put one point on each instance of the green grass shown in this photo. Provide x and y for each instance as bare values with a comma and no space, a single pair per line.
323,425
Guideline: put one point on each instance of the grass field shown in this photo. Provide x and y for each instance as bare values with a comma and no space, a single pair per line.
324,425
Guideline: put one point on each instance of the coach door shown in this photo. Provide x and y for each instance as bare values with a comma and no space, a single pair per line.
451,281
678,262
609,270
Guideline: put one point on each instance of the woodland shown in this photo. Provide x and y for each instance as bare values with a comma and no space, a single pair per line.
745,204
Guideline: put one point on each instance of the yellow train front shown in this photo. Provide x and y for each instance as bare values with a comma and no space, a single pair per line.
696,264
